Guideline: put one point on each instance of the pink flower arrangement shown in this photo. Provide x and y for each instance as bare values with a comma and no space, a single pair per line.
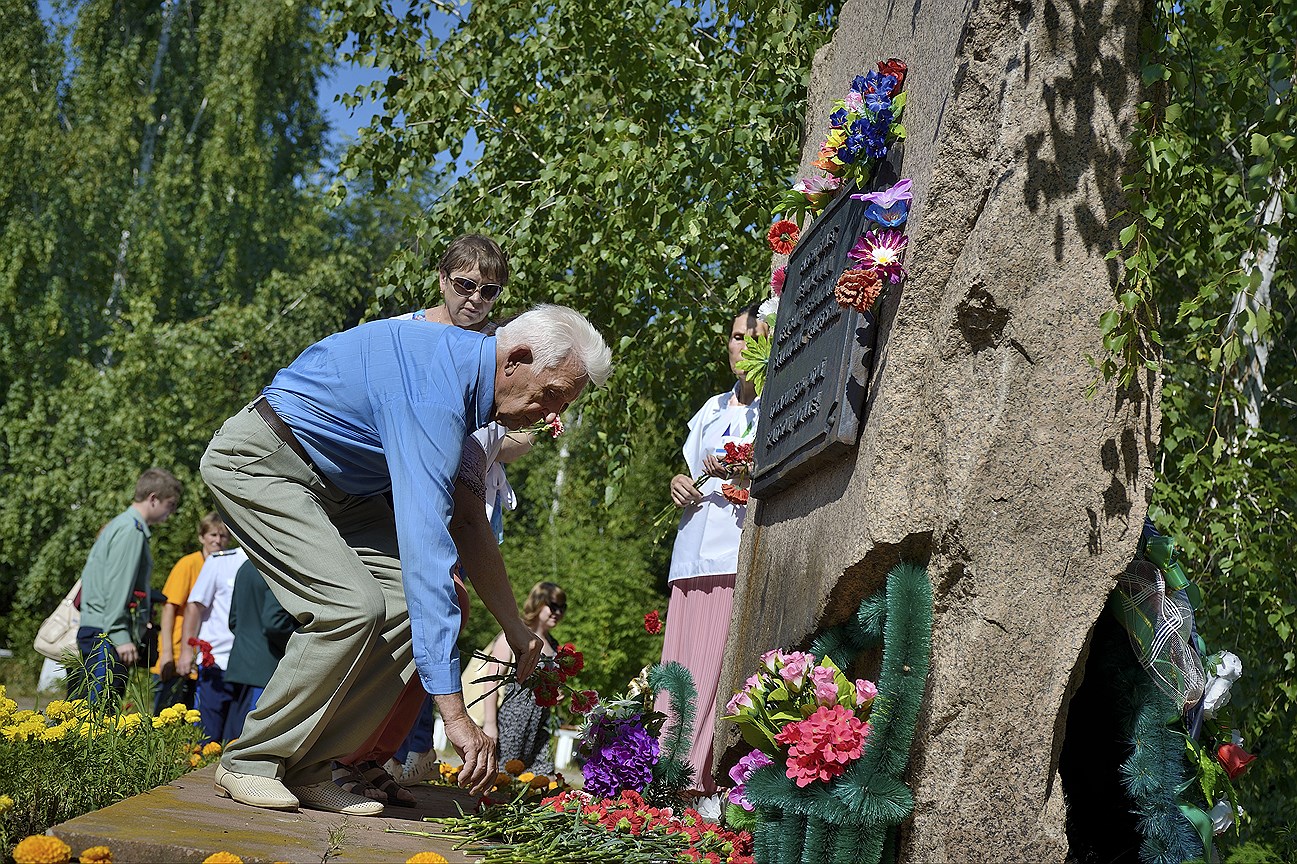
818,190
821,746
825,685
795,668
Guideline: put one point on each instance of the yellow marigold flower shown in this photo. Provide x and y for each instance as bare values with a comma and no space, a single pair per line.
97,855
39,849
448,771
526,777
192,716
425,858
540,781
6,803
515,766
195,760
13,733
170,715
222,858
58,709
158,723
553,784
211,748
54,733
24,715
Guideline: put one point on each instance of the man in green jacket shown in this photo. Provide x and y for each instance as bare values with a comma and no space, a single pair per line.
115,590
261,628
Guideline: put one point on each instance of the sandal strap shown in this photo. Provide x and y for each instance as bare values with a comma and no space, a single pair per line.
376,775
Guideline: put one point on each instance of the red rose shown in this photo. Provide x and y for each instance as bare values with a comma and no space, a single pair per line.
783,235
1235,759
653,623
894,67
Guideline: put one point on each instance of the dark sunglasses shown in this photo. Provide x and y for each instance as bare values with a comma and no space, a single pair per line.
559,608
465,288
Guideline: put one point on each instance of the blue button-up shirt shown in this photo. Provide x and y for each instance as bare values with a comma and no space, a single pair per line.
388,405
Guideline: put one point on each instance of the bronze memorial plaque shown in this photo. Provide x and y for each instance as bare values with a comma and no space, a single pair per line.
819,360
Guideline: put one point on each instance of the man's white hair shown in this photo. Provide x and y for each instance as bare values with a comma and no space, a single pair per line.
553,333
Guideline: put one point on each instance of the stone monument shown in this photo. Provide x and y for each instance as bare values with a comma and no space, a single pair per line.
978,453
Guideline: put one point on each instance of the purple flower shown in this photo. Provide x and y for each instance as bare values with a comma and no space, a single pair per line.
885,198
622,757
740,774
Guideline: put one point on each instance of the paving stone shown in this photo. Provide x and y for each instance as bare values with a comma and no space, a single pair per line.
185,822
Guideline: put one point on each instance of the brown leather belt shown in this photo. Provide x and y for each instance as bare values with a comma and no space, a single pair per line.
281,429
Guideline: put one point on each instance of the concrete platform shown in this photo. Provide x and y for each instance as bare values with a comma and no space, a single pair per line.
186,822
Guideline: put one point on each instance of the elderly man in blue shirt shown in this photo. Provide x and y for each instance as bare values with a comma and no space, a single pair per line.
300,476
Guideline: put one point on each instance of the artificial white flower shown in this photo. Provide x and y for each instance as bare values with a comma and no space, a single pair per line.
1223,674
1222,816
709,808
769,307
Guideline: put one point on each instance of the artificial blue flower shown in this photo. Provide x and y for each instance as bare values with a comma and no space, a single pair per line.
888,217
849,150
876,82
876,142
859,126
838,118
861,83
878,101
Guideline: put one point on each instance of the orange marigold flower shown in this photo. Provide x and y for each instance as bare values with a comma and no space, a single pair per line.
195,760
858,289
40,849
540,781
515,766
425,858
222,858
783,235
97,855
211,748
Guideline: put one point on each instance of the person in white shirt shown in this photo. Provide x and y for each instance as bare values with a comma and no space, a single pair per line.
704,562
207,619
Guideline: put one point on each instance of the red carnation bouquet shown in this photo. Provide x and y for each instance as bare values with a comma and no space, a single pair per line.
548,684
738,458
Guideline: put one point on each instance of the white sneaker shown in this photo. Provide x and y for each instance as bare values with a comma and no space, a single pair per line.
327,795
418,767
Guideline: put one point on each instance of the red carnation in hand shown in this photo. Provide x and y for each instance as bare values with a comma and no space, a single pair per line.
1234,759
653,623
570,661
734,495
546,696
583,701
894,67
783,236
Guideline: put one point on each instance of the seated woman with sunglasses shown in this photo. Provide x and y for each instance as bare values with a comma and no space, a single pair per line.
512,718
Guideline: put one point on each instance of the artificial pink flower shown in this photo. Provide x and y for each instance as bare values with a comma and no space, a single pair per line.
739,702
771,660
865,691
794,670
818,189
889,197
777,280
826,686
822,745
883,252
855,102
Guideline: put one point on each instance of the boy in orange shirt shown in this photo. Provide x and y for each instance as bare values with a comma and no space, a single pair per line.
213,536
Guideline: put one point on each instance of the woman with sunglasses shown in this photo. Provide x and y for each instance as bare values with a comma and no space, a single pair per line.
514,719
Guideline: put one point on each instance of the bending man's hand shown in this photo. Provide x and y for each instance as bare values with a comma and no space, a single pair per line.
471,743
526,647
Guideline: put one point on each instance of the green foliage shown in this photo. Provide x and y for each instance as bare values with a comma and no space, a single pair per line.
629,154
164,252
672,774
1208,253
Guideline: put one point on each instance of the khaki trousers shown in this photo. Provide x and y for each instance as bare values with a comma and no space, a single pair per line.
331,560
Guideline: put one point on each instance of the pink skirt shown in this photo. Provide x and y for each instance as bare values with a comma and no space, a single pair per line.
697,625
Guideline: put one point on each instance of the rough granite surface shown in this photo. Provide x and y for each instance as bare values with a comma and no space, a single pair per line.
981,453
